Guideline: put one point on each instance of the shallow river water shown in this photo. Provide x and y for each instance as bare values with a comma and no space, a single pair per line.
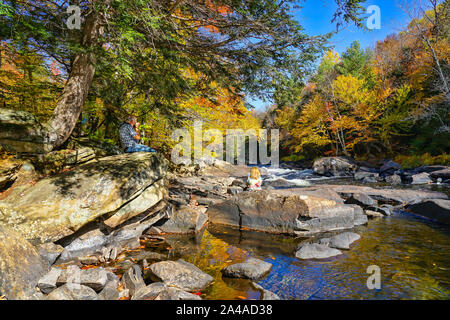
413,255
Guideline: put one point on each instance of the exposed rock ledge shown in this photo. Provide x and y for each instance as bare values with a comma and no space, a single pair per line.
284,212
115,188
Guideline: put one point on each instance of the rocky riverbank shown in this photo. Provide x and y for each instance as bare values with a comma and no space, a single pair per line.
76,227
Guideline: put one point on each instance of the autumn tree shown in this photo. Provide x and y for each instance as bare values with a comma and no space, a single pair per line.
215,38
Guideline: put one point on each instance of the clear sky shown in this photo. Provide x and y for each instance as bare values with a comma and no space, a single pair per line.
316,16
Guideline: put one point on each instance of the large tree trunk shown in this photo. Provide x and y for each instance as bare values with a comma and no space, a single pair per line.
75,92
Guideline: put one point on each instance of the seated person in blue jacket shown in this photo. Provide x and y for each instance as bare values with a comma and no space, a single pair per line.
130,136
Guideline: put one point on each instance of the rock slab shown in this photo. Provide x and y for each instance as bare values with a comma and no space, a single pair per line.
251,268
180,274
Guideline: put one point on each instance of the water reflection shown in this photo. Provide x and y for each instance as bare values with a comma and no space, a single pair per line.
413,254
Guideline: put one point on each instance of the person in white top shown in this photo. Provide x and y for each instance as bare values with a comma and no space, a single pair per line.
254,180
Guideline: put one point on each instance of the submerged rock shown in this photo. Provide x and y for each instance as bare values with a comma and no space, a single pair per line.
266,294
316,251
21,266
341,241
122,186
180,274
249,269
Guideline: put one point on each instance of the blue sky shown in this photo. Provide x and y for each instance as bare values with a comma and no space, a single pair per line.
316,16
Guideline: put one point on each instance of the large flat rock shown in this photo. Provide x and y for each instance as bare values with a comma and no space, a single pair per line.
180,274
279,211
251,268
399,196
118,187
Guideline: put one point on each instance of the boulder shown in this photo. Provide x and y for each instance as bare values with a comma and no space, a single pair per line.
149,292
341,241
48,282
421,178
361,175
132,279
360,216
21,266
444,174
385,210
334,166
49,252
280,212
361,199
389,167
393,179
72,292
118,186
185,220
249,269
95,278
234,190
434,209
180,274
176,294
109,292
316,251
20,131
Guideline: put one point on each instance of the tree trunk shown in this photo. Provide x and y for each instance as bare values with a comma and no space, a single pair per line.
77,87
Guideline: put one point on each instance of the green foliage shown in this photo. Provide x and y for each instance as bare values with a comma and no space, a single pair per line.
414,161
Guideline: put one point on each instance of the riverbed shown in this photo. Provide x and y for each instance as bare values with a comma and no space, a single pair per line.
413,255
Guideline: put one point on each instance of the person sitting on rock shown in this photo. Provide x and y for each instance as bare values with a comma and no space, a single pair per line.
254,180
129,136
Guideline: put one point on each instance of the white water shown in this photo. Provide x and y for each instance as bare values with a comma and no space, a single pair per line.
294,177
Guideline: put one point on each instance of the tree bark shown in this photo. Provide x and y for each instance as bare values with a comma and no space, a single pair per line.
75,92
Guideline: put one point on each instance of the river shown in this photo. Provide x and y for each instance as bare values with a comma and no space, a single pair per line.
413,255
